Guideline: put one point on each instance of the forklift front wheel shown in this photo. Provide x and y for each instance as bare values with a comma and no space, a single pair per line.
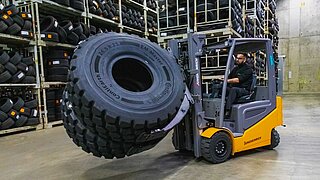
275,139
217,149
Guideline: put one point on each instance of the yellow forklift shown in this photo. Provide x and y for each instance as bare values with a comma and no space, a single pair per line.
205,130
125,112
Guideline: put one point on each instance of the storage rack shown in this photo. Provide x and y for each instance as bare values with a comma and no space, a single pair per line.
28,46
39,8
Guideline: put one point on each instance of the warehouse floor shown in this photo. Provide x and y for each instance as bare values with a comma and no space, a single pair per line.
50,154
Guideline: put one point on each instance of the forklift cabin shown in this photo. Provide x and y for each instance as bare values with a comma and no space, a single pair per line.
204,129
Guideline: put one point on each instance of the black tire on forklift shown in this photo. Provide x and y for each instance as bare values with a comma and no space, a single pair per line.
152,91
217,149
275,139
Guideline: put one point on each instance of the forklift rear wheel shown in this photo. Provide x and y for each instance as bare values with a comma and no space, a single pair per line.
275,139
217,149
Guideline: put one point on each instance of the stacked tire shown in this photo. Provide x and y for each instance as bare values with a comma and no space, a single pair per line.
63,31
151,4
17,112
14,68
105,8
14,22
132,18
113,98
76,4
57,65
152,25
53,100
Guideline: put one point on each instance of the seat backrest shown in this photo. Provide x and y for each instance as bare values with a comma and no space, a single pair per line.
254,81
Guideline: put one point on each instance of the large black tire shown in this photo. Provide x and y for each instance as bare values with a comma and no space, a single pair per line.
137,88
217,149
275,139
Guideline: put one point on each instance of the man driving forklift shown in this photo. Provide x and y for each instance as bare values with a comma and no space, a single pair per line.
239,81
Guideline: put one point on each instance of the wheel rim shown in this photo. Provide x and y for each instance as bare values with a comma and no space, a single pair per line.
221,148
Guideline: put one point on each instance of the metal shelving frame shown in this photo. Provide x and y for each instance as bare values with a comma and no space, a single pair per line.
47,7
10,41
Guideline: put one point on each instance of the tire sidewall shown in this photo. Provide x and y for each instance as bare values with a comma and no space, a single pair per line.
160,96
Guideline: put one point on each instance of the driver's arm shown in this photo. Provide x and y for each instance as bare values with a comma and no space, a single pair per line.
233,81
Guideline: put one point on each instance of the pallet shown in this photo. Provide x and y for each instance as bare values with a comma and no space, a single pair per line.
21,129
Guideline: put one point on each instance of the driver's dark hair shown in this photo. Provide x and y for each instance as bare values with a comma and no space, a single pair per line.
244,54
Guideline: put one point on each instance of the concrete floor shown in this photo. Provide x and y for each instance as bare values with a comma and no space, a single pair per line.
50,154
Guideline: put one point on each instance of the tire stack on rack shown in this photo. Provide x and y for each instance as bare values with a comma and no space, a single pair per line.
151,4
104,8
152,25
14,68
14,22
57,65
76,4
236,15
54,99
63,31
132,18
17,112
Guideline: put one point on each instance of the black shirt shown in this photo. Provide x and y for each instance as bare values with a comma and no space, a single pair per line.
245,74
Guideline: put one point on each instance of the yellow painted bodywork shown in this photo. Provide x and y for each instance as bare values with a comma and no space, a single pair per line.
258,135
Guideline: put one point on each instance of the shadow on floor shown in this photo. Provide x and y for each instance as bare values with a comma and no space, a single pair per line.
140,167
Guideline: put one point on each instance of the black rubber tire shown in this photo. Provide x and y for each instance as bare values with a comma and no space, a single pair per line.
29,79
57,54
98,12
275,139
14,114
210,148
13,29
62,34
26,16
25,111
7,19
2,69
63,2
15,57
18,77
18,19
57,78
3,116
3,26
18,103
58,71
58,63
21,121
51,95
73,38
34,113
104,109
92,9
77,5
31,71
93,30
4,57
50,36
77,28
28,61
105,13
32,104
49,24
11,10
5,76
11,68
82,37
22,67
32,121
8,123
67,26
86,29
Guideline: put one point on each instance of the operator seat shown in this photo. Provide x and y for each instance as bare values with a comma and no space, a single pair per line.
251,96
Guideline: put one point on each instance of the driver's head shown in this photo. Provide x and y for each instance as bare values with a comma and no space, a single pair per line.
241,58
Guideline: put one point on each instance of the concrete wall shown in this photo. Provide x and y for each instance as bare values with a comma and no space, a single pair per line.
299,22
